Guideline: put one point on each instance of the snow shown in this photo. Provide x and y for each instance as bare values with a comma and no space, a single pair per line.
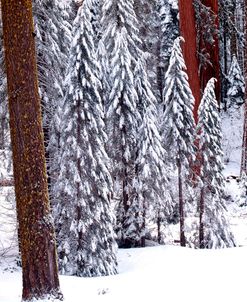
155,273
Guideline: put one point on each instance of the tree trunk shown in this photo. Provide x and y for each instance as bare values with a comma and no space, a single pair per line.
188,32
159,227
37,239
201,223
181,204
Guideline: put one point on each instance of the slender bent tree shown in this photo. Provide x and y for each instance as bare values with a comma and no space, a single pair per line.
213,225
179,125
36,231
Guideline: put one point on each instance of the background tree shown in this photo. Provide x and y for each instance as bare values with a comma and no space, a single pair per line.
207,29
187,26
236,88
36,233
243,170
168,32
213,226
52,19
179,125
84,220
122,116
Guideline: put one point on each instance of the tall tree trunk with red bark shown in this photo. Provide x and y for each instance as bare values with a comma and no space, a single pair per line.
188,32
36,231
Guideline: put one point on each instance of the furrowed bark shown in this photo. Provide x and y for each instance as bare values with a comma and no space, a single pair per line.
37,239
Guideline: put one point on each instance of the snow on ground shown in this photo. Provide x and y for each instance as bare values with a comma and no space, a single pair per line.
163,273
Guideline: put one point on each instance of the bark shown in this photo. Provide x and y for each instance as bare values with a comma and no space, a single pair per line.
37,239
243,169
181,204
201,224
188,32
211,70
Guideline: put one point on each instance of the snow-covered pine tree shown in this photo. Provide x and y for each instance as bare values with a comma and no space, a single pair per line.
122,122
149,24
169,31
118,14
214,229
236,85
178,124
150,174
52,20
84,220
121,41
4,129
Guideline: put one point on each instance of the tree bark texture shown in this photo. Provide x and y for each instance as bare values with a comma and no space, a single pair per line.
243,169
211,70
37,239
181,204
188,32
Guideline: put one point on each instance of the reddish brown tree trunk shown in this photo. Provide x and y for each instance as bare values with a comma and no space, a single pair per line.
188,32
243,169
211,70
181,204
36,232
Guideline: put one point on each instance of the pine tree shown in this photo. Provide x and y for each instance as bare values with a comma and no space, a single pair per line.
147,14
244,144
36,231
179,125
213,228
84,220
52,20
118,14
122,118
236,86
150,176
168,11
4,131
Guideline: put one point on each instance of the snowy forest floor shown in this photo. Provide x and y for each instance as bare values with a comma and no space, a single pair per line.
157,273
161,273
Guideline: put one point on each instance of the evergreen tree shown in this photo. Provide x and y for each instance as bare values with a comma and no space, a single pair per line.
213,229
149,23
169,31
119,20
149,181
86,244
179,125
4,131
123,121
52,20
168,11
236,86
118,14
